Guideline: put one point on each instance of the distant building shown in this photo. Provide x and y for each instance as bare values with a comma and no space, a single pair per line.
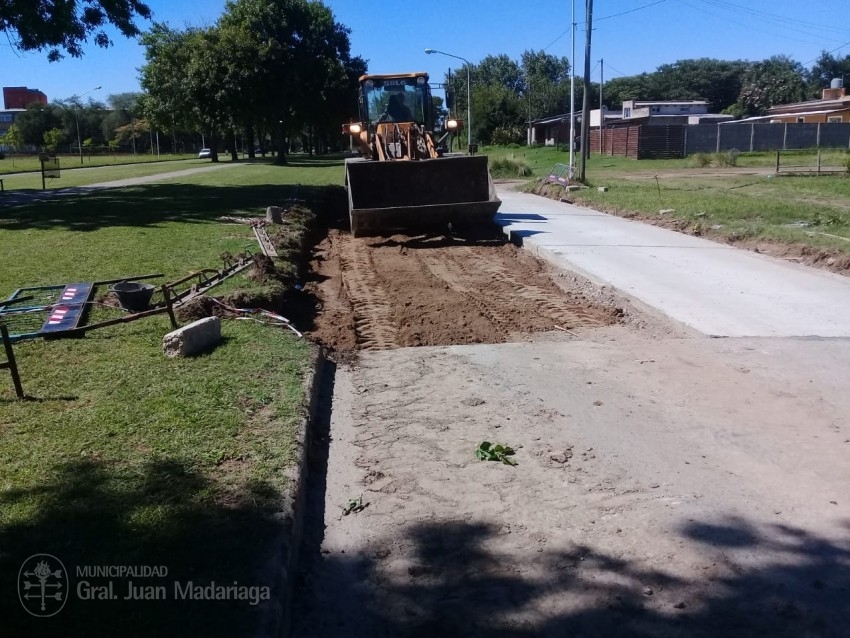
19,97
662,112
7,118
832,108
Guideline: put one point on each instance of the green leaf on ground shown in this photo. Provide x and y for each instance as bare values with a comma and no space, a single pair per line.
495,452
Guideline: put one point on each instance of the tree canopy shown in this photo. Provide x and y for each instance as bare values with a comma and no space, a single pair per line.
65,26
267,67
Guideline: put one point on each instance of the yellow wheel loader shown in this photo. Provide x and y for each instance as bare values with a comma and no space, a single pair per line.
404,181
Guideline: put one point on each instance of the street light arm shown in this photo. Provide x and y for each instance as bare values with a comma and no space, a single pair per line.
457,57
77,120
468,94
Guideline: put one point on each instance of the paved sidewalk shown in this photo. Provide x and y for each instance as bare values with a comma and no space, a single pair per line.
19,198
716,289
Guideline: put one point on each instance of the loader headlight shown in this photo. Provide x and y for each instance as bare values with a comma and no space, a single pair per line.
451,124
352,129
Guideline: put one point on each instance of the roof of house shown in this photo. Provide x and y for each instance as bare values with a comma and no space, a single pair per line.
789,114
843,102
670,103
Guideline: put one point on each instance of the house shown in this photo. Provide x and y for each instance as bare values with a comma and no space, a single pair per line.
662,112
555,130
833,107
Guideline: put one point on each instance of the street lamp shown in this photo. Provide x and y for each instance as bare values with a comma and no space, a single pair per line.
468,96
77,121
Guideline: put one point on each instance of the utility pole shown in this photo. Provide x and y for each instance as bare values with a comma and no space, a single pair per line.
572,89
601,107
585,108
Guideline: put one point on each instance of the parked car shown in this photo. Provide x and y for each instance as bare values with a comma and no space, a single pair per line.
205,153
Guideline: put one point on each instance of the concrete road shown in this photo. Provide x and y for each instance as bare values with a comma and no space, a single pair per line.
665,487
716,289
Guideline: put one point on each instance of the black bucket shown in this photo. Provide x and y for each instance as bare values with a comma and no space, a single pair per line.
132,296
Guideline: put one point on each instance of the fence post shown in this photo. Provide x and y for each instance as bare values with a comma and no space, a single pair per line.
752,135
818,142
718,137
777,161
784,142
10,361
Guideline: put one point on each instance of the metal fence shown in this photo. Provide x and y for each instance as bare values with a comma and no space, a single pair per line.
676,140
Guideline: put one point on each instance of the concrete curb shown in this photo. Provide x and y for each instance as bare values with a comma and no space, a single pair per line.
282,561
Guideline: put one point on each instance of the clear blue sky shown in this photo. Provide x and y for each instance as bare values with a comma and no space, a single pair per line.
631,35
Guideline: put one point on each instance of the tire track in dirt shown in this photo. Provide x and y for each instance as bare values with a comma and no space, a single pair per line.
372,309
551,302
433,290
455,272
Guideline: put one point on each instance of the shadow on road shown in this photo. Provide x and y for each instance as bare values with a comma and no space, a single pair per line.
454,586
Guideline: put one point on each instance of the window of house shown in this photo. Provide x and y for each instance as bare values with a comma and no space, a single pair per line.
683,109
834,118
627,112
800,120
656,109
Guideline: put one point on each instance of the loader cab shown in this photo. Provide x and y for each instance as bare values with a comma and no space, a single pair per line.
396,98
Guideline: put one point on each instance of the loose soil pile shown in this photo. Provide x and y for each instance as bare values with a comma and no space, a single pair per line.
381,293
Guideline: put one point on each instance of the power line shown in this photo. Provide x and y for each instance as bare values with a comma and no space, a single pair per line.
765,15
749,26
616,15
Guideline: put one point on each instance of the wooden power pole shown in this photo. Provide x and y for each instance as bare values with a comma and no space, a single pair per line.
585,102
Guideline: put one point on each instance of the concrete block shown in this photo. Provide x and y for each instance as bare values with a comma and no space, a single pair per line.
197,337
274,215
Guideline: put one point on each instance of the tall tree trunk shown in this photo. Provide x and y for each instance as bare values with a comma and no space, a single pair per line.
234,152
214,146
249,134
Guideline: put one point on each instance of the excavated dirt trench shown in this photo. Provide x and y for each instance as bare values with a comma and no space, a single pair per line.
383,293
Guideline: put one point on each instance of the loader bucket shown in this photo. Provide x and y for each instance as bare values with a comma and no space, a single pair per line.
419,196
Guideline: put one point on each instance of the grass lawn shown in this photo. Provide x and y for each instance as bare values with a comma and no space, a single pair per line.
107,173
123,457
29,163
748,202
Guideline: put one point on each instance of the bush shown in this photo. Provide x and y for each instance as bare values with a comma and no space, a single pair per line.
701,160
729,158
510,166
505,135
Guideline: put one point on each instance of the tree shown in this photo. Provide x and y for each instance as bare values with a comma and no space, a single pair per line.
52,139
166,102
66,26
633,87
13,139
499,69
716,81
37,119
496,107
777,80
825,69
547,84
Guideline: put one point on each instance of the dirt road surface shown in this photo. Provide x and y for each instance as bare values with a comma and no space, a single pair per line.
667,484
